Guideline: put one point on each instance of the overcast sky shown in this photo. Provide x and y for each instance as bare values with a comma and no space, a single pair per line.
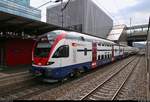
119,10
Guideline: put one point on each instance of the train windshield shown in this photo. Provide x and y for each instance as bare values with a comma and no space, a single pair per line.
43,47
44,44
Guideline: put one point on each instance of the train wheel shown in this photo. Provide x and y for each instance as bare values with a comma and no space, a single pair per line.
78,72
82,70
64,79
71,74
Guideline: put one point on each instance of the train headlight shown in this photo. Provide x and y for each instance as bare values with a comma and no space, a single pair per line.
39,63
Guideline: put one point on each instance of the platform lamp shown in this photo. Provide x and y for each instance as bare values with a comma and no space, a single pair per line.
63,8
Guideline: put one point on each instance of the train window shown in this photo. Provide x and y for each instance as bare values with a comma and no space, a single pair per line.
99,57
42,48
62,51
102,57
82,38
41,52
105,56
99,44
108,56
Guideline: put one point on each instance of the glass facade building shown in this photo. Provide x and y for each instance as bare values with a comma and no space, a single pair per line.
20,8
21,2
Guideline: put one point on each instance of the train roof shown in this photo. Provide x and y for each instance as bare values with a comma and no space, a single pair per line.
76,35
86,37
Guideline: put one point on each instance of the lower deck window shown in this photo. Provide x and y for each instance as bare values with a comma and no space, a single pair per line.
62,51
99,57
102,57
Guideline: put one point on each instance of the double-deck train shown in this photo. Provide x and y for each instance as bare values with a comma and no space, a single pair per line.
59,54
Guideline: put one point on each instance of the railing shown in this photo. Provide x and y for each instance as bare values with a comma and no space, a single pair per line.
137,33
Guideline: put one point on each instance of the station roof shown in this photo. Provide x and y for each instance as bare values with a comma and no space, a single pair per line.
116,32
14,23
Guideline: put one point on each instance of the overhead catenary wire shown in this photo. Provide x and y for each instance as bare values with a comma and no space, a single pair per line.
48,3
117,7
44,4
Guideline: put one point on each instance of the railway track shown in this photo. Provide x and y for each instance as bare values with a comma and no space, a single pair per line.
15,78
109,88
25,89
15,81
28,91
22,86
31,91
135,86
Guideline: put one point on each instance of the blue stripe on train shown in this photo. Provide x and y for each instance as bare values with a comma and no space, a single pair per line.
59,73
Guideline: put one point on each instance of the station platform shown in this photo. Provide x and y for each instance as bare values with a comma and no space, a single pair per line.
6,71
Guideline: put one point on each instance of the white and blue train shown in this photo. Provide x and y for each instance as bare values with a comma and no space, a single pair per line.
59,54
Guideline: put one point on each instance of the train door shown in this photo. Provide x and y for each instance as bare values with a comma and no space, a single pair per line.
113,53
123,53
119,51
94,54
74,50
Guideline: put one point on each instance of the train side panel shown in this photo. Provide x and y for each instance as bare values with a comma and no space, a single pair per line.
72,55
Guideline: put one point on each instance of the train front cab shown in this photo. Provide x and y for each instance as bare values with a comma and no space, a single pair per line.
41,53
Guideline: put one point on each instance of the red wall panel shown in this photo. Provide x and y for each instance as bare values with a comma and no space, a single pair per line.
19,51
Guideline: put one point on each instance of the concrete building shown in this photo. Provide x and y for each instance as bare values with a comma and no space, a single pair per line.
20,8
81,15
